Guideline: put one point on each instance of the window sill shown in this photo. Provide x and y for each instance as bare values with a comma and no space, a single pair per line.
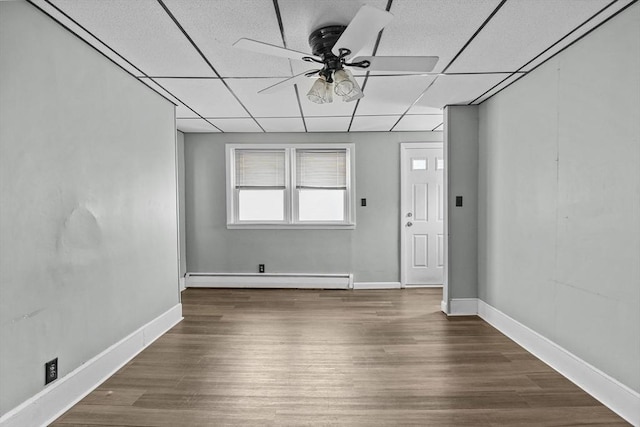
291,226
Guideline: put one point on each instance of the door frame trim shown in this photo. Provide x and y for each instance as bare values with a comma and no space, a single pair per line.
403,158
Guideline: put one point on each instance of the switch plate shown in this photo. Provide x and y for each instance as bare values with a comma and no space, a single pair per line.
458,200
260,268
50,371
363,202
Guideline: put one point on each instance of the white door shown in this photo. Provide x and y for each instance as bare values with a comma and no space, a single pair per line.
422,211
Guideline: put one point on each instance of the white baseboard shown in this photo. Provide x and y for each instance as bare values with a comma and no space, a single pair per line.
182,281
269,280
444,307
616,396
376,285
43,408
463,307
423,286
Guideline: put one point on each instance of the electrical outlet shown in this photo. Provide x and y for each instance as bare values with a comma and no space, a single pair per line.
261,268
50,371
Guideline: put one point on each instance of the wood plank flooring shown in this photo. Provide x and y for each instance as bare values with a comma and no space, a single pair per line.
349,358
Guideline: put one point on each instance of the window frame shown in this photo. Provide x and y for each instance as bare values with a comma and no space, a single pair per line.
291,220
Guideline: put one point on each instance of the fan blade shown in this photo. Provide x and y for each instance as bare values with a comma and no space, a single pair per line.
364,27
288,82
270,49
406,64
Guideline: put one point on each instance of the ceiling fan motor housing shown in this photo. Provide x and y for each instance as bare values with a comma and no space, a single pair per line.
322,41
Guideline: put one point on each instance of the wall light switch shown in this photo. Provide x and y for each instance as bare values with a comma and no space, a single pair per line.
363,202
458,200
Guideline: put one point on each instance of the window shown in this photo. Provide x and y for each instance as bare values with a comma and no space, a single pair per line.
290,186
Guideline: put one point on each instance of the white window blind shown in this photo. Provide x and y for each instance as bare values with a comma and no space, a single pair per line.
260,169
321,169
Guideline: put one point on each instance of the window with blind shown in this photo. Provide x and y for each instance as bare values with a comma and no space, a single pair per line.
260,184
282,186
321,184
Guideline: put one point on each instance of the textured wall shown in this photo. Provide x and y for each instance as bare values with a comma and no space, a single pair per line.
461,146
88,202
371,251
559,199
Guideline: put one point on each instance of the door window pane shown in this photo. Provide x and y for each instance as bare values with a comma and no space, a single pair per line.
321,205
418,164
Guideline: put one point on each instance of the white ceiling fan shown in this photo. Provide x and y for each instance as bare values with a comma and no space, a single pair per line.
335,47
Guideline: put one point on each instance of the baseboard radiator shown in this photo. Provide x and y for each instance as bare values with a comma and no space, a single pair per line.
269,280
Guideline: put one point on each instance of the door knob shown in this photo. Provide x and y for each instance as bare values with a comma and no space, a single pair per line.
409,215
409,224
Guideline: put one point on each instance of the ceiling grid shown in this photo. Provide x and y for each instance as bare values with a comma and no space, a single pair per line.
276,6
172,46
366,76
548,49
167,95
444,70
173,18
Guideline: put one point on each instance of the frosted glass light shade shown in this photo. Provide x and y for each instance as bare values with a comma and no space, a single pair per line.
355,92
344,85
321,92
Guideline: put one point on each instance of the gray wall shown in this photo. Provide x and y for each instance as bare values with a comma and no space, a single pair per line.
371,251
461,148
182,231
88,252
559,188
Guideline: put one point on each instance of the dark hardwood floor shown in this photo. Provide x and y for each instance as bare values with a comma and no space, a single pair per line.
350,358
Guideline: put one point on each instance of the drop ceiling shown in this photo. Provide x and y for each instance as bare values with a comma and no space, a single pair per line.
183,50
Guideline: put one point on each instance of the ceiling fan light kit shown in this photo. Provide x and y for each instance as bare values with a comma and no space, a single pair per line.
332,47
343,85
321,91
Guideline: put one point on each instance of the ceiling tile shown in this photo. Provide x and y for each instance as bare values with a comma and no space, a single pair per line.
216,25
327,124
457,89
419,108
279,104
521,30
418,123
236,125
578,33
281,124
208,97
373,123
433,27
391,95
184,112
195,125
86,36
142,32
301,18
